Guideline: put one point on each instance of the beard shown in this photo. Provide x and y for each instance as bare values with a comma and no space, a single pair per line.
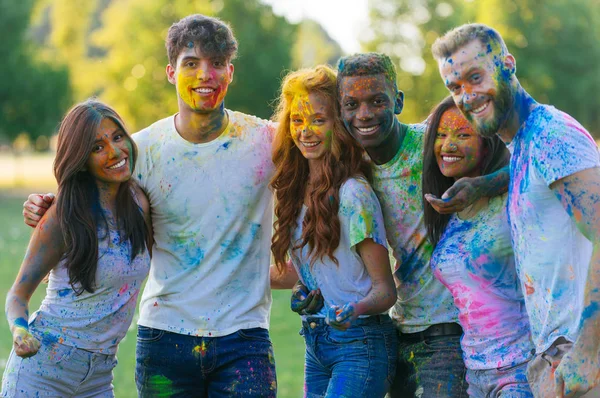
502,102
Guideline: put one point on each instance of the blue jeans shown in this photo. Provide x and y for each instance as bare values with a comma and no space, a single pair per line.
432,367
508,381
358,362
176,365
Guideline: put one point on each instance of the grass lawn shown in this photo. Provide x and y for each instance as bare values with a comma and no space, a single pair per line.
14,236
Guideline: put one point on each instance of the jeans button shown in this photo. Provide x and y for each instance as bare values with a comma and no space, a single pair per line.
313,325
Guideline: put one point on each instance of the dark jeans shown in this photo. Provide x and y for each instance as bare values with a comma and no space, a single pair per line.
430,367
176,365
358,362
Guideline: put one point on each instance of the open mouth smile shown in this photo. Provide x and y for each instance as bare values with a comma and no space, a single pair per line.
367,130
203,90
480,109
118,165
309,144
451,159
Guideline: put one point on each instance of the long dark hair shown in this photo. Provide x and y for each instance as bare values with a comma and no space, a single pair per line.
321,225
435,183
78,205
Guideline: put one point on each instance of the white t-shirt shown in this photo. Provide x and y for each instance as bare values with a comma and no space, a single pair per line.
474,259
95,321
212,218
360,218
552,255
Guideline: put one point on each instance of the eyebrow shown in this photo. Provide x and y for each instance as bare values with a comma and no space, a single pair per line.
112,134
189,58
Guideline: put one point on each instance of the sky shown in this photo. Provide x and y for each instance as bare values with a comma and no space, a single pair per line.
342,19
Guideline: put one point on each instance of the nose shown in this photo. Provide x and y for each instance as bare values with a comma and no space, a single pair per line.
305,132
448,145
204,71
364,112
113,151
468,97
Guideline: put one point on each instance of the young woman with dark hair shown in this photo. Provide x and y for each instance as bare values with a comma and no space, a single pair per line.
94,243
474,259
329,223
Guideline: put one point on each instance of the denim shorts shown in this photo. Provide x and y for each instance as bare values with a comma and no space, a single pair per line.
358,362
58,370
176,365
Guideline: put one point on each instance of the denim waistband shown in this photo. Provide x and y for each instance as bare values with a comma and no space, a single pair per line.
380,319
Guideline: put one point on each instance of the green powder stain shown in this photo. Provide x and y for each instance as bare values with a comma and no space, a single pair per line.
162,387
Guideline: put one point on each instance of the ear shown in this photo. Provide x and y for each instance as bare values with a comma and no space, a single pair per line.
399,102
171,75
510,64
230,69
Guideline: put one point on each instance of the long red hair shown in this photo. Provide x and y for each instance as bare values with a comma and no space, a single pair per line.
321,224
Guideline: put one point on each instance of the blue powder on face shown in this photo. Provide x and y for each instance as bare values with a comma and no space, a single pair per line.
190,44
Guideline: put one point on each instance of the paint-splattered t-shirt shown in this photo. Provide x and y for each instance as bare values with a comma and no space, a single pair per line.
552,255
422,300
475,260
212,219
360,218
93,321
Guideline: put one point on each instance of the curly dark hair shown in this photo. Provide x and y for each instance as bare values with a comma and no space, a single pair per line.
214,37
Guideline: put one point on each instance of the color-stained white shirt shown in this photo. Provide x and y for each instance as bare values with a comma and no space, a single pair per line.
95,321
360,218
212,219
422,300
474,259
552,255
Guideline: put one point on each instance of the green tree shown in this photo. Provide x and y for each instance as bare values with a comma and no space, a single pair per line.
119,52
405,30
265,41
34,90
313,46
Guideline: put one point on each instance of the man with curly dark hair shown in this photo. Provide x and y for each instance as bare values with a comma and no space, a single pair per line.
205,309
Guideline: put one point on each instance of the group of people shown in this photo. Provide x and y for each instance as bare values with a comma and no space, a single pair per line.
490,208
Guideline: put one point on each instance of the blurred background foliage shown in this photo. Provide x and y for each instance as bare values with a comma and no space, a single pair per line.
57,52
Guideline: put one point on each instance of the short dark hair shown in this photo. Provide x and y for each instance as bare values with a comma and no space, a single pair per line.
214,37
367,64
435,183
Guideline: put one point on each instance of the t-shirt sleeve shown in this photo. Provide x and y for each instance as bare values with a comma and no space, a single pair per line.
141,164
271,130
360,212
564,148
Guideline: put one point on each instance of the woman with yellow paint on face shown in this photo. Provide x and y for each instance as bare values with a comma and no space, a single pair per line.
330,225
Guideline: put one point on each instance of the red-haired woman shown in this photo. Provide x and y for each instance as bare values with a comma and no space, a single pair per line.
94,243
329,223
